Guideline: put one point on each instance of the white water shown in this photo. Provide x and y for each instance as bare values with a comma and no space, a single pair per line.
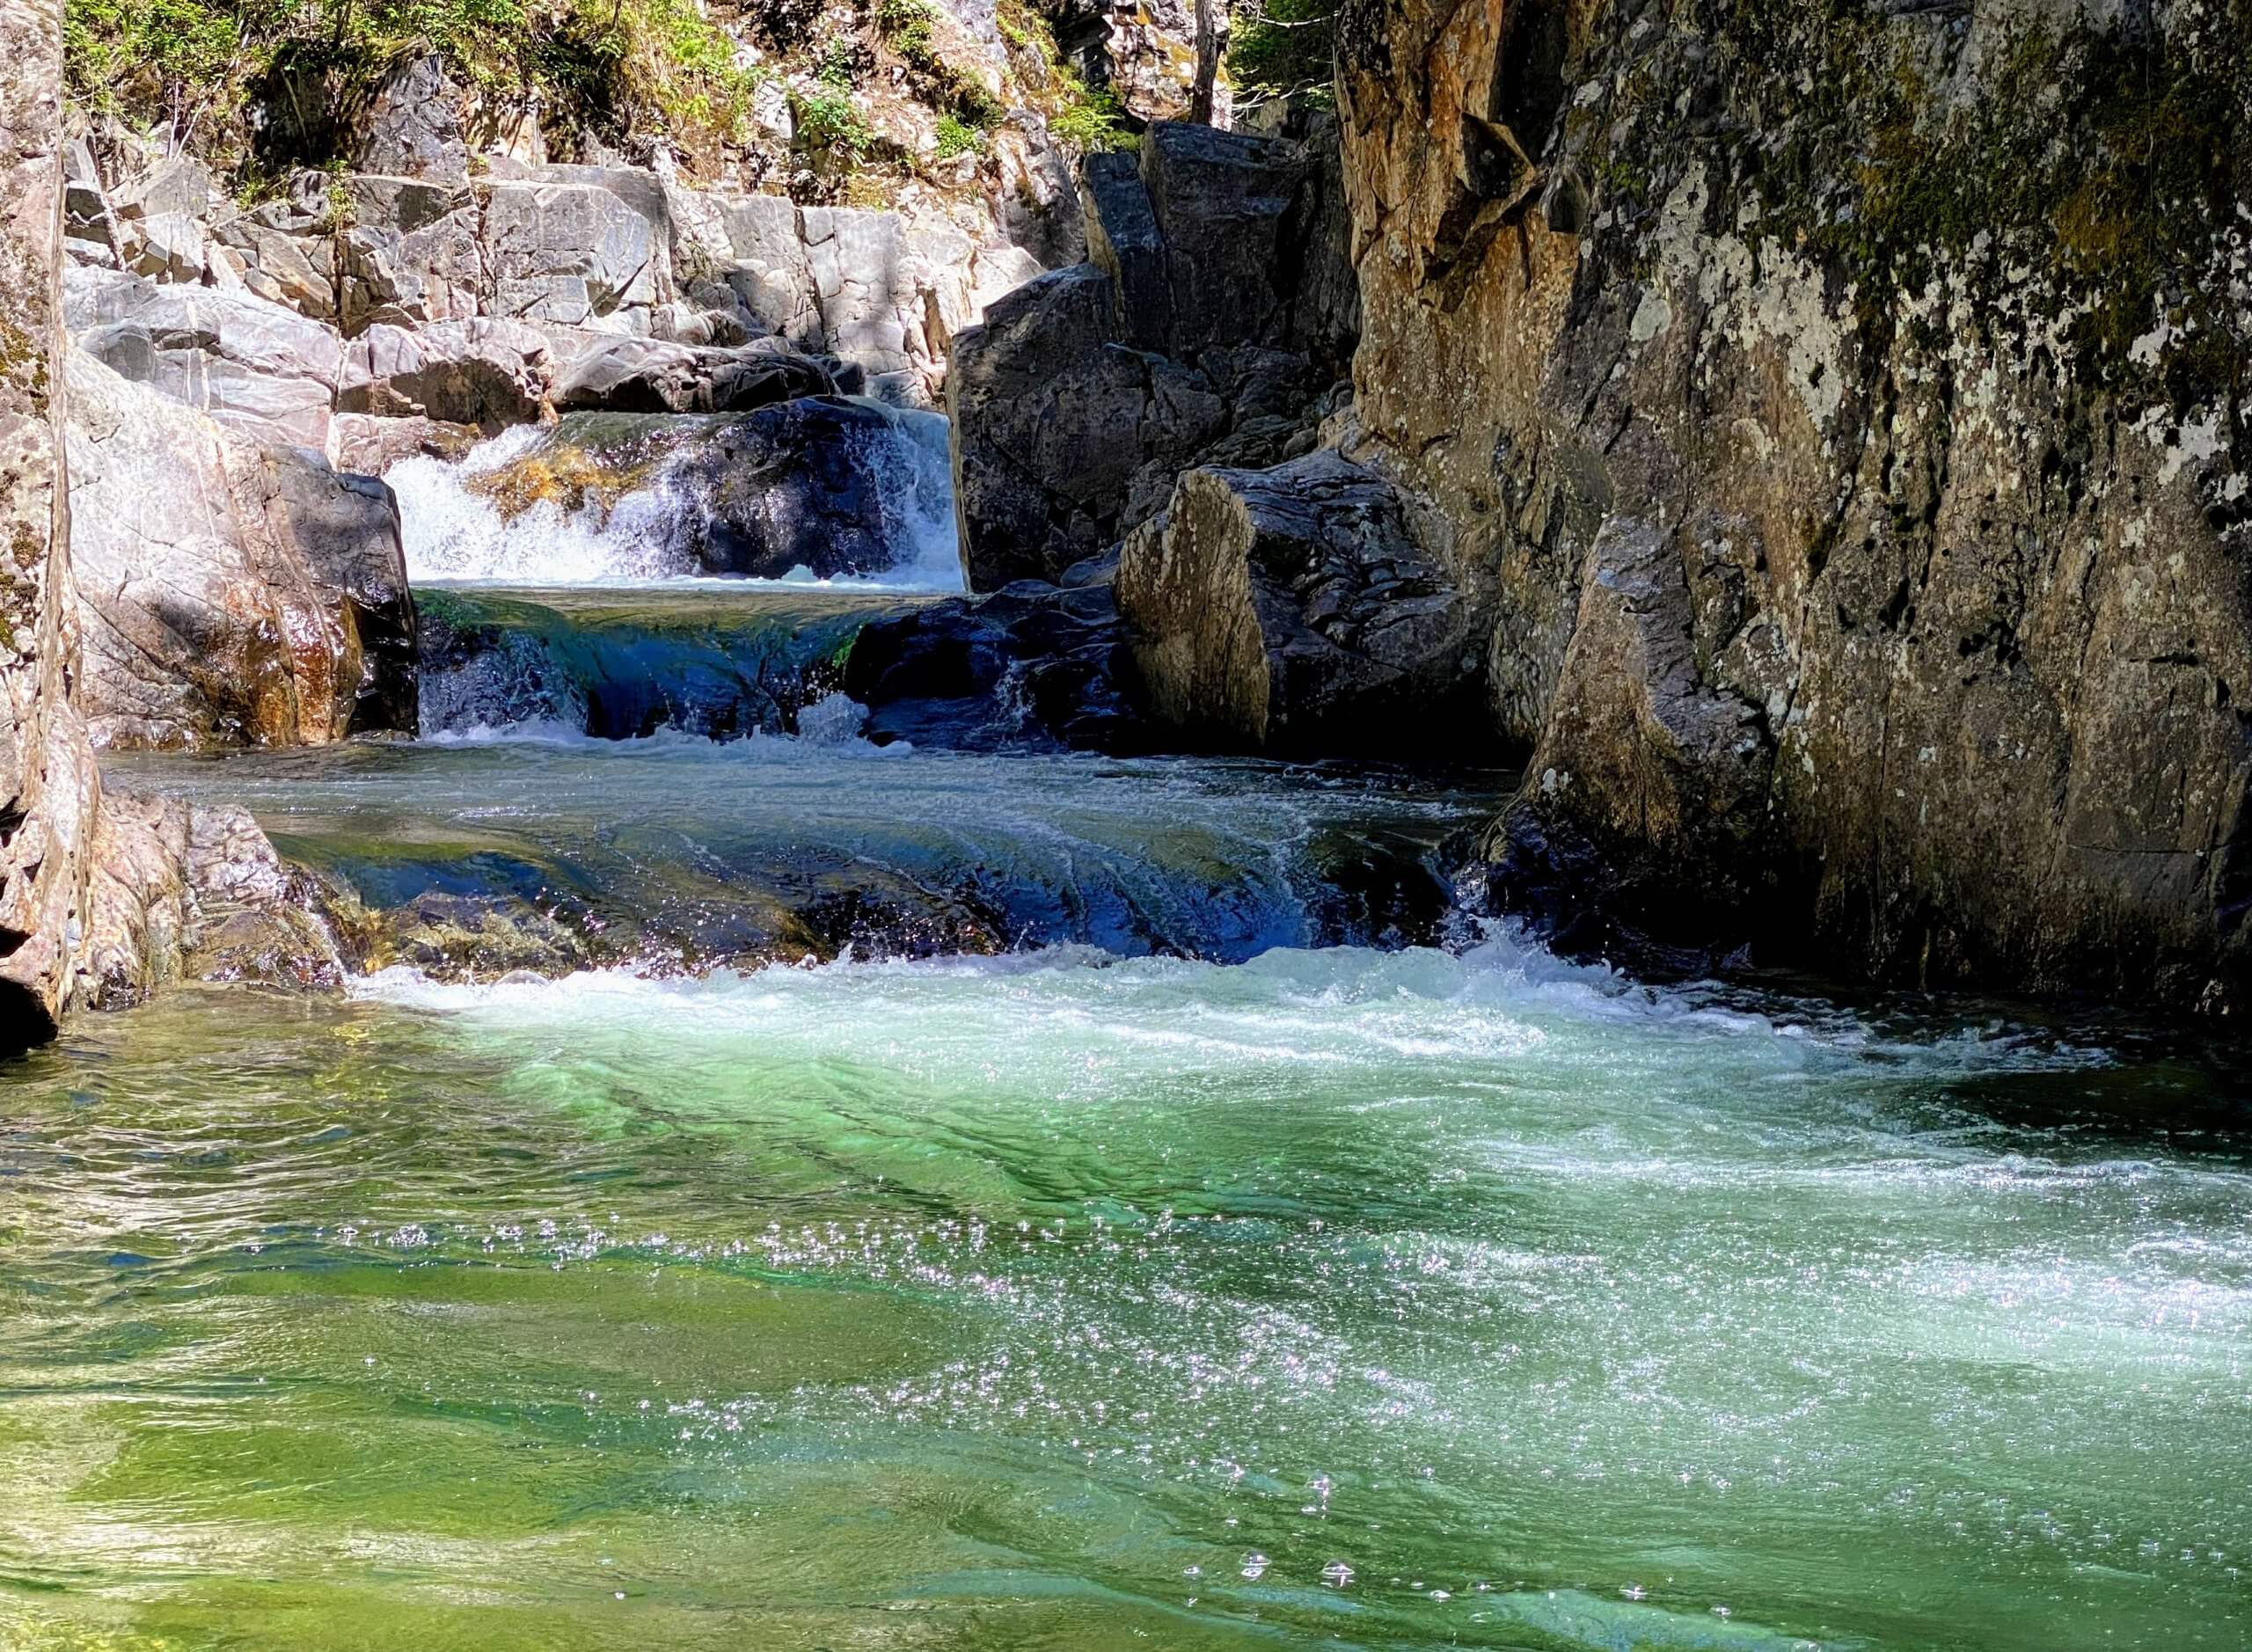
452,534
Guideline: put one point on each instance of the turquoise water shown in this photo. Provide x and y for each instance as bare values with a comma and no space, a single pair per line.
1327,1298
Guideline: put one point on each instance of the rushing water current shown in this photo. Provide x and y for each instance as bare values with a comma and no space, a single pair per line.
1174,1280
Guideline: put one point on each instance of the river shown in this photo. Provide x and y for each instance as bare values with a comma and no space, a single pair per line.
1235,1247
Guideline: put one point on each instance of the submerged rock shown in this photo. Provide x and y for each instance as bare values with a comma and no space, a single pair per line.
619,666
1029,666
1290,611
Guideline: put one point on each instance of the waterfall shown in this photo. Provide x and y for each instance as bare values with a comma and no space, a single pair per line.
456,530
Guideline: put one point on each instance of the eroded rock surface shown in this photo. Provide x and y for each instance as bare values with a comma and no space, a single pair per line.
1289,610
230,592
1868,549
1188,338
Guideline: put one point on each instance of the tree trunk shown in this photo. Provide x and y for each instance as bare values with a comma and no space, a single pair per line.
1208,61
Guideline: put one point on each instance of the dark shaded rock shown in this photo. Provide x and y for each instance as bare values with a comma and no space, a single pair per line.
654,375
1222,203
414,129
800,484
1047,415
1030,665
1288,611
1185,341
1124,243
479,371
1863,597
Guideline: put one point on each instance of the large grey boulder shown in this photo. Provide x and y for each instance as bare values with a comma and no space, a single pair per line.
411,253
287,251
251,364
651,375
858,262
770,271
178,186
480,371
231,592
371,444
1289,610
570,252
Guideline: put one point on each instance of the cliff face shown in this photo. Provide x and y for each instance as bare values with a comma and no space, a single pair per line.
49,792
1841,407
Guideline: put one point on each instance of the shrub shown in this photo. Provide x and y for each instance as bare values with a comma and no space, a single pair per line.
957,137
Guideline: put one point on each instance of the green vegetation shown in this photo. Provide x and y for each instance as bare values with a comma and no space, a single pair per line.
957,137
1283,49
827,122
194,67
1086,118
910,28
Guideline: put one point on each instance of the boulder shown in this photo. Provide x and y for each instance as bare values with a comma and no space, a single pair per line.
168,246
571,251
251,364
1222,203
1288,611
806,484
178,186
650,376
1191,337
411,253
1031,195
370,443
857,260
231,592
287,257
185,891
1046,417
414,128
770,271
480,371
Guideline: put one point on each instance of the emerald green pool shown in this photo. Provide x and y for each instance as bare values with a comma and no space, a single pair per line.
1331,1298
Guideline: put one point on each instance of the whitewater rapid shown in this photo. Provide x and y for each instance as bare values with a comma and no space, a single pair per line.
453,534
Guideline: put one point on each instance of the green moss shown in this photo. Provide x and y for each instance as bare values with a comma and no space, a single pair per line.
2106,168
